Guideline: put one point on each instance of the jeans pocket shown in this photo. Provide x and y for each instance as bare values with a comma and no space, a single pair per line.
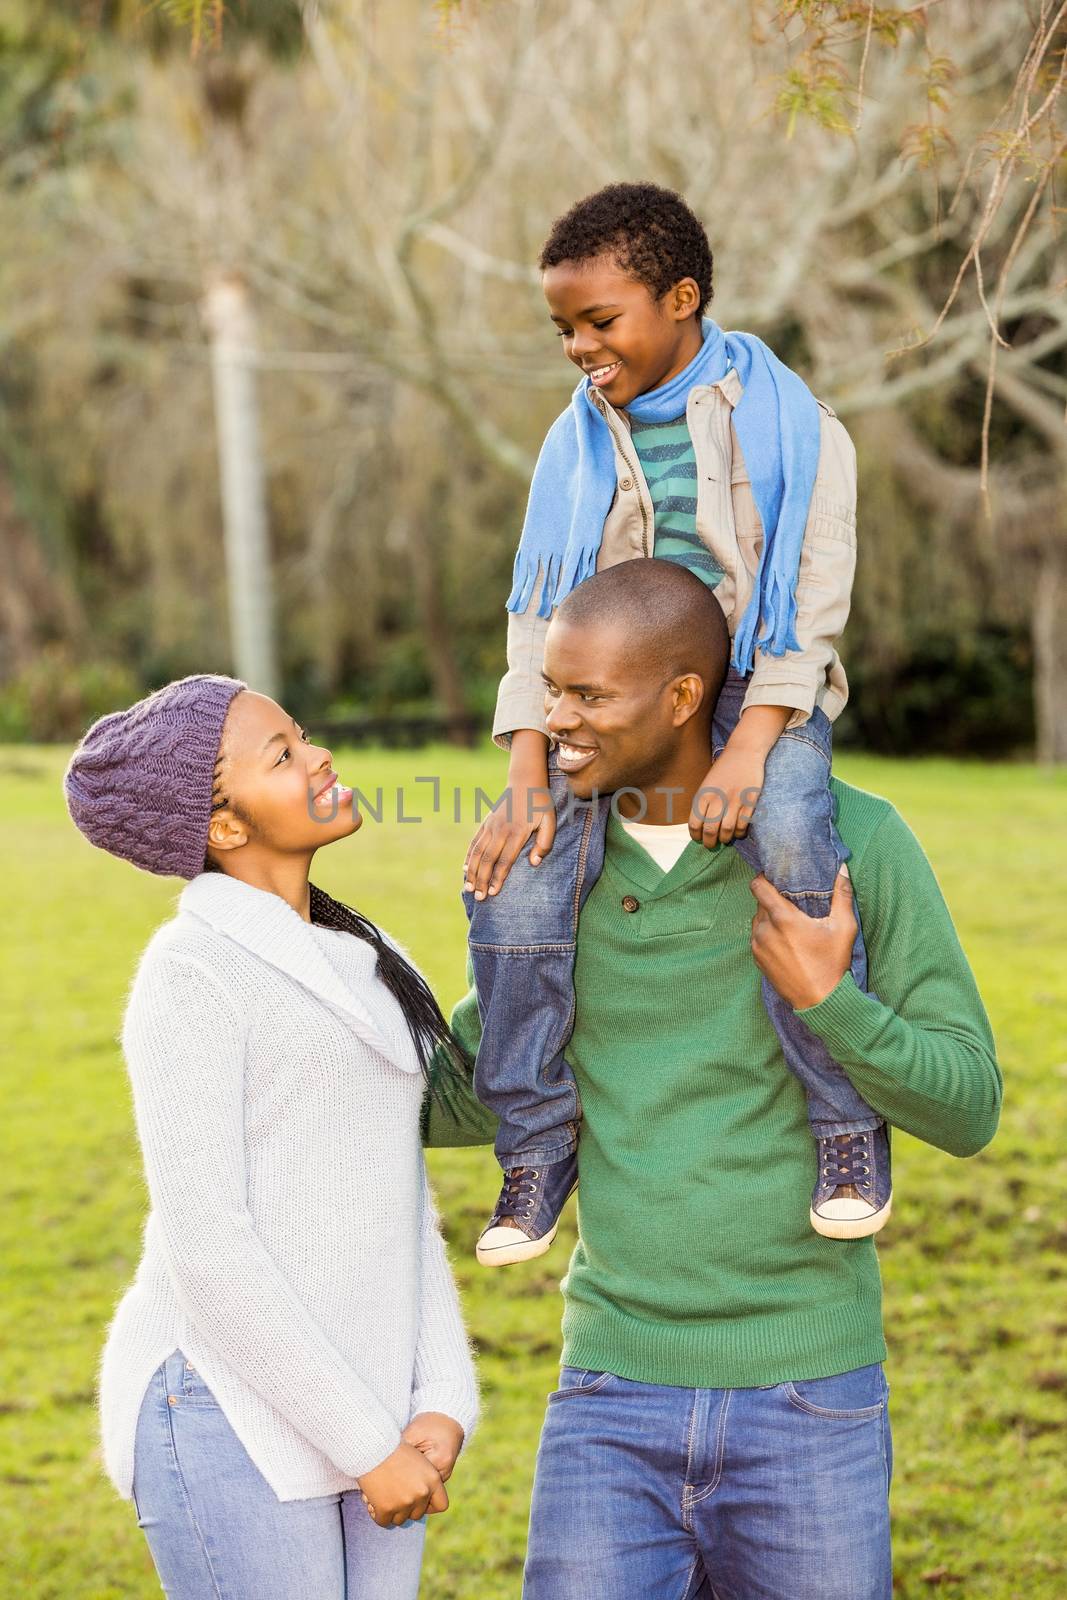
847,1396
194,1389
580,1380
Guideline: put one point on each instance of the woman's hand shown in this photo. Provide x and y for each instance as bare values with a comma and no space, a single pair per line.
500,839
403,1488
440,1438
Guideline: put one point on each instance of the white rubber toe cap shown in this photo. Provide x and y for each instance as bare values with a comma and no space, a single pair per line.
847,1218
502,1247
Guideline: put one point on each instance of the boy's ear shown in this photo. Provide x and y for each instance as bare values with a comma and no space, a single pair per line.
685,299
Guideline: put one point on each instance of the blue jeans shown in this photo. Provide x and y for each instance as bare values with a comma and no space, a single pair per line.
779,1493
217,1531
523,941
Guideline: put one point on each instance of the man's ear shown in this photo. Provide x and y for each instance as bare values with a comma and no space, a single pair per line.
688,696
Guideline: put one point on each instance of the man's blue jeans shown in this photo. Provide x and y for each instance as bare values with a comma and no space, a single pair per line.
217,1530
523,941
643,1490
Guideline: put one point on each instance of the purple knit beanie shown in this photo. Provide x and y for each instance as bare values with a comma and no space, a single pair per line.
139,784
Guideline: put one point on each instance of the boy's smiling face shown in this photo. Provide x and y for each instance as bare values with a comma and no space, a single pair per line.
611,326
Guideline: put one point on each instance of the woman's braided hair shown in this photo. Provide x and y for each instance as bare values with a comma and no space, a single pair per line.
439,1051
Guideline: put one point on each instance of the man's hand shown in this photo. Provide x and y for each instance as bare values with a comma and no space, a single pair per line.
403,1488
723,809
440,1439
804,957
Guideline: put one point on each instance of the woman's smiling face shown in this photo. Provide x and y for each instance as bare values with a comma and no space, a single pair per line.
276,793
623,339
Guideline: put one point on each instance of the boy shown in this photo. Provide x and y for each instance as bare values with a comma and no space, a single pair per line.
700,448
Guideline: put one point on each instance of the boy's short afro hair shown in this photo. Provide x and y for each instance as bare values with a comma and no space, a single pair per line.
650,231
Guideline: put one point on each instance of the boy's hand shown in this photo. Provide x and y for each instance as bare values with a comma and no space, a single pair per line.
723,809
498,843
403,1488
804,957
735,780
440,1439
500,839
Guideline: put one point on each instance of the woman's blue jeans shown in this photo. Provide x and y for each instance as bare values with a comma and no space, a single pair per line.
523,942
217,1531
646,1490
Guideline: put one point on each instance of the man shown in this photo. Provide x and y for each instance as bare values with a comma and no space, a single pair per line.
720,1429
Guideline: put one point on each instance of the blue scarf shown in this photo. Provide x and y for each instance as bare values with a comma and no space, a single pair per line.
777,422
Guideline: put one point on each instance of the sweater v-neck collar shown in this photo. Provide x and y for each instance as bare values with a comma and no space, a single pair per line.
267,925
632,861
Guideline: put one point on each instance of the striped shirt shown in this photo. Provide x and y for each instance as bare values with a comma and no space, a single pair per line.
665,450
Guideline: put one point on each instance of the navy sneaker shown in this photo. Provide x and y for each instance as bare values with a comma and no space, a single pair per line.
854,1193
527,1213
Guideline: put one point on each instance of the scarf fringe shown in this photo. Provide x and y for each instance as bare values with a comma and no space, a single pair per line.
774,605
560,578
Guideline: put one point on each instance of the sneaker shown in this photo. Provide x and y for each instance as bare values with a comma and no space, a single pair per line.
854,1194
527,1213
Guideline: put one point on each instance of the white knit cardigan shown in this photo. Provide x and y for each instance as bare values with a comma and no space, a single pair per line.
292,1250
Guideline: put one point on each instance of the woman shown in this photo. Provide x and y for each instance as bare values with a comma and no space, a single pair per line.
287,1383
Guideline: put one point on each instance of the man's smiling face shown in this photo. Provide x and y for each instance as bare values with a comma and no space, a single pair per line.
613,719
612,327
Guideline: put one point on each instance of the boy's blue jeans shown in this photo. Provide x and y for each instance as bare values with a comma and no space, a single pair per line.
523,941
647,1490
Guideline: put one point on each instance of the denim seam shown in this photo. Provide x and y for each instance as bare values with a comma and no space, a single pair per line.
571,948
521,949
720,1451
798,737
885,1451
589,1388
687,1503
541,1155
579,876
169,1434
689,1591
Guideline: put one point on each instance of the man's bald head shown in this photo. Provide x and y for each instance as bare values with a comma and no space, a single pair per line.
635,658
670,619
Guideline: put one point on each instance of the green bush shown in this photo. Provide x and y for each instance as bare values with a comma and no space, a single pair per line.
955,694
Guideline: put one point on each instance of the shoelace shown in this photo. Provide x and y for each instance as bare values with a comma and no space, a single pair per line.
516,1198
847,1160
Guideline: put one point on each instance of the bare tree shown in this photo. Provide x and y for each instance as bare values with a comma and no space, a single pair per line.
394,185
910,145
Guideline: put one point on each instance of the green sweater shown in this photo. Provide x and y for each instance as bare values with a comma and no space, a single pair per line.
696,1264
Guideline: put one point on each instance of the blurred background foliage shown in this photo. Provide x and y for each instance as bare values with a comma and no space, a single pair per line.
374,181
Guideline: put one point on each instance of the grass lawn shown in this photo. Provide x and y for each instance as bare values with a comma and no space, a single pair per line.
974,1259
